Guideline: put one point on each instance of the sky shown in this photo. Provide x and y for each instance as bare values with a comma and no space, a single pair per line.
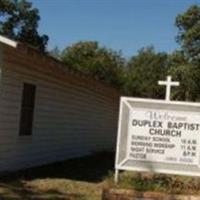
125,25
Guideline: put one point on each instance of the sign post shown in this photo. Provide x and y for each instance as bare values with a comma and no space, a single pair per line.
158,135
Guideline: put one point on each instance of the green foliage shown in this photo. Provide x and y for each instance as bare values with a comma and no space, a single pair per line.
19,21
99,62
185,64
187,74
188,24
143,72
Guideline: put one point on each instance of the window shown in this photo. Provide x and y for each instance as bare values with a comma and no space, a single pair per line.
27,109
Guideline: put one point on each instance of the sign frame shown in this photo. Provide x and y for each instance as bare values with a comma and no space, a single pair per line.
126,100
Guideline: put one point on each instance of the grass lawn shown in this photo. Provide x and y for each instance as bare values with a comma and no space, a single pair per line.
75,179
170,184
84,179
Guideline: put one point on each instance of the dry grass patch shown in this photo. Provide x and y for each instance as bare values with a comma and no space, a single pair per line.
83,190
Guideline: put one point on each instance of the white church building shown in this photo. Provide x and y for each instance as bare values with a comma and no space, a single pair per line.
49,113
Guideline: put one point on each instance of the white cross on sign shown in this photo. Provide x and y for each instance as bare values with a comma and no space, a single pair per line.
169,83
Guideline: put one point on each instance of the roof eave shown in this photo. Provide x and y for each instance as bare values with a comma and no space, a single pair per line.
9,42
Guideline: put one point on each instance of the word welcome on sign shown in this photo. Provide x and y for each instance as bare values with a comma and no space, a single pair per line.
158,136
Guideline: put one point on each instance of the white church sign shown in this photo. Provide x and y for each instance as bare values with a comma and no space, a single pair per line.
158,136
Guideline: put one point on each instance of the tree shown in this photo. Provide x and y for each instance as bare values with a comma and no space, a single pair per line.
98,62
55,53
19,21
184,65
187,74
188,24
143,72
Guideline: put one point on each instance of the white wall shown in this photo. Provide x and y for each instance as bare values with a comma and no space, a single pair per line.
72,117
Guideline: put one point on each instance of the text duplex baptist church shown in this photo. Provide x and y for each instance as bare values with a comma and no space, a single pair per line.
164,124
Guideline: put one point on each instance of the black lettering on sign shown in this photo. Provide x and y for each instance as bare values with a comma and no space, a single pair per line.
165,132
137,155
147,123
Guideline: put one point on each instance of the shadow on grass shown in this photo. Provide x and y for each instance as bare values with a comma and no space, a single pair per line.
18,190
90,169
